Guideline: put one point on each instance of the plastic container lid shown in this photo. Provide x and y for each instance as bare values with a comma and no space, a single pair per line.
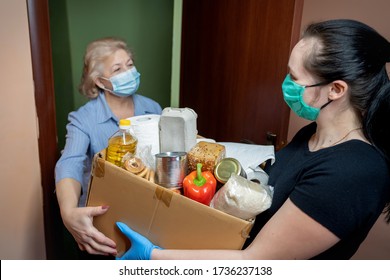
224,169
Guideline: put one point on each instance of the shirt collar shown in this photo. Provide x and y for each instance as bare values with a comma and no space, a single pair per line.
105,112
140,106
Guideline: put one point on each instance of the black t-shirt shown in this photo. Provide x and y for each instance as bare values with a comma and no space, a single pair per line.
344,188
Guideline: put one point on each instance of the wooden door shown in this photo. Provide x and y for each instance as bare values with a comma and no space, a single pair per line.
233,61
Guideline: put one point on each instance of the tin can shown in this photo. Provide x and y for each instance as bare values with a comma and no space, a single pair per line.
224,169
171,168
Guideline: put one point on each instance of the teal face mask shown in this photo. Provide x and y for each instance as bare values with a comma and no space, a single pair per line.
293,96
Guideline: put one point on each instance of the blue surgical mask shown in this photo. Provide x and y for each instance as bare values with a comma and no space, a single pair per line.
125,83
293,96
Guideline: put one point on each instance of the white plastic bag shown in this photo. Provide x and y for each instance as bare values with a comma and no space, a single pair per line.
242,198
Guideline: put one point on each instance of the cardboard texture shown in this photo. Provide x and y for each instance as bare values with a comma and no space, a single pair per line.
167,219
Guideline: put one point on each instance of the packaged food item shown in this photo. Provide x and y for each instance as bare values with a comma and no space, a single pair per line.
141,163
171,168
224,169
120,143
206,153
135,165
242,198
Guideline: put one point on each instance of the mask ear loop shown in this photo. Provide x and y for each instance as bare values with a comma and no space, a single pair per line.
326,104
103,87
317,85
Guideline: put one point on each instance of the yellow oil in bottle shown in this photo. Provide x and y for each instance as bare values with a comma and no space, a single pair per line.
121,143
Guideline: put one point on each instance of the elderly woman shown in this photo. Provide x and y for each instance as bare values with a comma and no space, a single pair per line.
110,80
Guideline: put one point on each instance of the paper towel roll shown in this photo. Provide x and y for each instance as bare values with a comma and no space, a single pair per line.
257,174
146,130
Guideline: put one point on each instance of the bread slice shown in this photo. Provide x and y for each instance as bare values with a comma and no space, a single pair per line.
206,153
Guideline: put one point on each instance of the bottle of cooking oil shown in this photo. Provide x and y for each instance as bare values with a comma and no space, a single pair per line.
122,142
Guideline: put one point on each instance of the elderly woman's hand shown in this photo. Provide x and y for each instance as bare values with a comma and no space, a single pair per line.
79,222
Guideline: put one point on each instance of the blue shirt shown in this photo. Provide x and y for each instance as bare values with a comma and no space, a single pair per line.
88,131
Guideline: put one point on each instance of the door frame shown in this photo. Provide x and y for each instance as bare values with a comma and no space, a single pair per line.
41,57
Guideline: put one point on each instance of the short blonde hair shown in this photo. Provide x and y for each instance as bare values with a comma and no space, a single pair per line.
95,55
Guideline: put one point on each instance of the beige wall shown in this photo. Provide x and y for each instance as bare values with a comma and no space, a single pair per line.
21,213
374,13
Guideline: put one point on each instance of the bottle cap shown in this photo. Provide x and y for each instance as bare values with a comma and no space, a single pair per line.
124,123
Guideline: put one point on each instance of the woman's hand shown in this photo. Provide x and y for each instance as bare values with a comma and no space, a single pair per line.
79,222
141,248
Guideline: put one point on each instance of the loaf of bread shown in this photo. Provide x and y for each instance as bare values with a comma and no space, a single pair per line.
206,153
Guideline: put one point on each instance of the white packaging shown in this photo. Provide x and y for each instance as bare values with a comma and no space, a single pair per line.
242,198
178,130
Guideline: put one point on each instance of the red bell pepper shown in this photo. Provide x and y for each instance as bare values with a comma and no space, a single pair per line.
200,186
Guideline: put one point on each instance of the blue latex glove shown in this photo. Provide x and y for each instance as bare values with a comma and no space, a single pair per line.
141,248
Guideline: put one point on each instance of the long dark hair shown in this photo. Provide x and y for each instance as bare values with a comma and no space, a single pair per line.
351,51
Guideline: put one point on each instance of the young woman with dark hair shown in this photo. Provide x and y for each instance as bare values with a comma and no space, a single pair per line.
332,181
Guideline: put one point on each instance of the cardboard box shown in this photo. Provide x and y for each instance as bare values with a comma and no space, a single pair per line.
167,219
